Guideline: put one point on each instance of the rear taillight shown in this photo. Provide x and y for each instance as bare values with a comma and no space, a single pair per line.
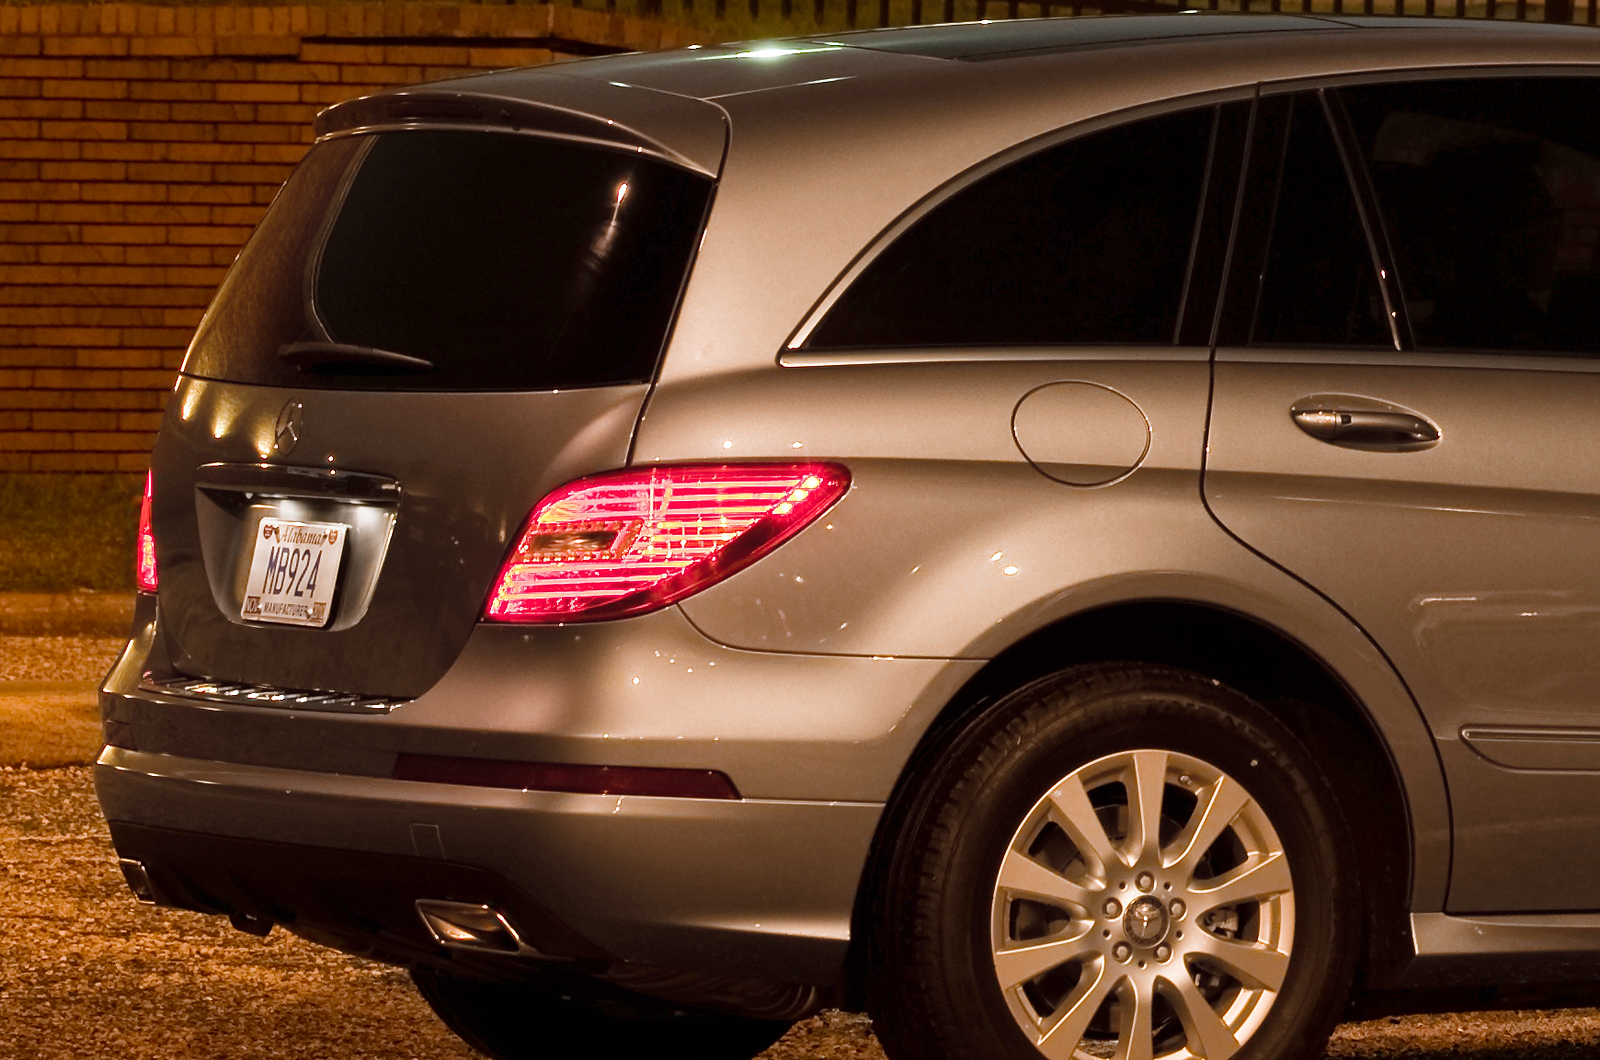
144,567
627,542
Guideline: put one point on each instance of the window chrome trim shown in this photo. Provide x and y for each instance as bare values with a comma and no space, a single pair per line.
1491,360
1406,75
988,354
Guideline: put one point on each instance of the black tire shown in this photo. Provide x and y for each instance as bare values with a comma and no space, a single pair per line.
958,904
536,1023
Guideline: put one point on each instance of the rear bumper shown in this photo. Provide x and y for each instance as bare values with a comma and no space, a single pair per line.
753,888
761,887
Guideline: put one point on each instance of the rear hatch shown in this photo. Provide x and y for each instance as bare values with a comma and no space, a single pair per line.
435,324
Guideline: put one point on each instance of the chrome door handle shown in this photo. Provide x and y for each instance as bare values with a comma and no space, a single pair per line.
1366,429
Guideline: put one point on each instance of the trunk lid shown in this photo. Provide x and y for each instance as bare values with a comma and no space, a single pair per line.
432,327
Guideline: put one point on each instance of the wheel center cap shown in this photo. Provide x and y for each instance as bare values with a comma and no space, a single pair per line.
1145,922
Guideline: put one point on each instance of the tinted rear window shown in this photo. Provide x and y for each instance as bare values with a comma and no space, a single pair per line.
503,261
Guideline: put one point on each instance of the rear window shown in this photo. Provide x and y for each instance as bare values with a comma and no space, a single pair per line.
446,260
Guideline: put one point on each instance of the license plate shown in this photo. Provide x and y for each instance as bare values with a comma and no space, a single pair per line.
293,572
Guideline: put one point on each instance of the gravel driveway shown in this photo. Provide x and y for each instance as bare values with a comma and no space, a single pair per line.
86,973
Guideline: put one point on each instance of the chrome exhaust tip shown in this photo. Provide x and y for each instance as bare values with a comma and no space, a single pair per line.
138,880
475,928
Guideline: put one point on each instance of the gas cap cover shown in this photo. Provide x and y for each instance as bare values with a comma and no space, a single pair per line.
1081,433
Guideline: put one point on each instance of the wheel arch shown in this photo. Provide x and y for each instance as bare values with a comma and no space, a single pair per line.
1256,658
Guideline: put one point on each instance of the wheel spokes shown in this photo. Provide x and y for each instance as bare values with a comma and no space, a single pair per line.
1262,876
1061,1036
1135,1024
1222,803
1147,786
1016,965
1077,817
1022,877
1258,967
1208,1035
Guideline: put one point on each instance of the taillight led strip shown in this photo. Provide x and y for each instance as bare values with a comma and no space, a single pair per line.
627,542
144,572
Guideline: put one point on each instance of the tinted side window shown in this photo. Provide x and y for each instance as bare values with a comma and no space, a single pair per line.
1490,191
1086,242
1319,286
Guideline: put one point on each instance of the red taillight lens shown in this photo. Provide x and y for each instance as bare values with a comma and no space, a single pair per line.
627,542
144,566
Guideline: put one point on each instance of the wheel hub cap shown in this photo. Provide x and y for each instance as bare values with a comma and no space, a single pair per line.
1145,922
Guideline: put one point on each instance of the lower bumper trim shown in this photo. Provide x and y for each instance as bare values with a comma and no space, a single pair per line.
365,900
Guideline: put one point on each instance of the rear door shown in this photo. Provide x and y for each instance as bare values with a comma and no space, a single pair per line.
1404,416
433,326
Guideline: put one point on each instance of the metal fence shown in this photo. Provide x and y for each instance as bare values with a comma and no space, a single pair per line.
868,14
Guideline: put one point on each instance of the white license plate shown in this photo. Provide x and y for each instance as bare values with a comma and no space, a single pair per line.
293,572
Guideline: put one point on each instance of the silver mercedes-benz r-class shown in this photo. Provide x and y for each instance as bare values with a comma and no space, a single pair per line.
1078,538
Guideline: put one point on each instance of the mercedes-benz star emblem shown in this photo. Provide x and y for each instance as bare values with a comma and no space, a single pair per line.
1145,923
291,424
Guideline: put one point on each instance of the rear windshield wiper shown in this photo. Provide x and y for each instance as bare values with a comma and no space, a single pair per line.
337,357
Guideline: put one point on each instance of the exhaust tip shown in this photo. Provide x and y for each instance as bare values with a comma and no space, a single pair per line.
477,928
251,925
138,880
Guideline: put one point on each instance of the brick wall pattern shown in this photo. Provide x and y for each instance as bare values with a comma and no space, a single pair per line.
139,145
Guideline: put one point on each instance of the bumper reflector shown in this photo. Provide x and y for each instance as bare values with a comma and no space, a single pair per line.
561,776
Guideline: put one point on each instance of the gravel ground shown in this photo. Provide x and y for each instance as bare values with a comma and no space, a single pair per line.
57,658
48,713
88,974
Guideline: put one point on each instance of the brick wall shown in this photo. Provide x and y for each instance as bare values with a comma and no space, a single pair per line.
138,147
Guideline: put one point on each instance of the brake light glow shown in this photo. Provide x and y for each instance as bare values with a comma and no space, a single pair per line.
144,572
626,542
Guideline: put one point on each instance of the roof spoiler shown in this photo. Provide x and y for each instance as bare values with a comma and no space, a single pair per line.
433,108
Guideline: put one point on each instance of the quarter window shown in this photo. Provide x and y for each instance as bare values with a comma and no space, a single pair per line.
1083,243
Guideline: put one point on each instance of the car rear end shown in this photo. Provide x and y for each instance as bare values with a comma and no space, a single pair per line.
369,696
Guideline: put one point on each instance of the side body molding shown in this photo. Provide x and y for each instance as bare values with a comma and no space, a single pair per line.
1533,949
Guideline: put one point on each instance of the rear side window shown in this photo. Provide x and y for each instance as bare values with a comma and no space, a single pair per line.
1084,243
1490,195
446,260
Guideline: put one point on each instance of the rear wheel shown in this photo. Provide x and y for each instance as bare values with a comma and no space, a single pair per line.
510,1022
1116,861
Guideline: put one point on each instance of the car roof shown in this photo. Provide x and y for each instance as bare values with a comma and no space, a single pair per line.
821,143
715,71
650,98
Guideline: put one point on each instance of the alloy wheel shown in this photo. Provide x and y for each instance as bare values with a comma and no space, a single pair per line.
1143,909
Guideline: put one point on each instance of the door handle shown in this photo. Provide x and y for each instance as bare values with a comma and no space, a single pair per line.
1364,429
